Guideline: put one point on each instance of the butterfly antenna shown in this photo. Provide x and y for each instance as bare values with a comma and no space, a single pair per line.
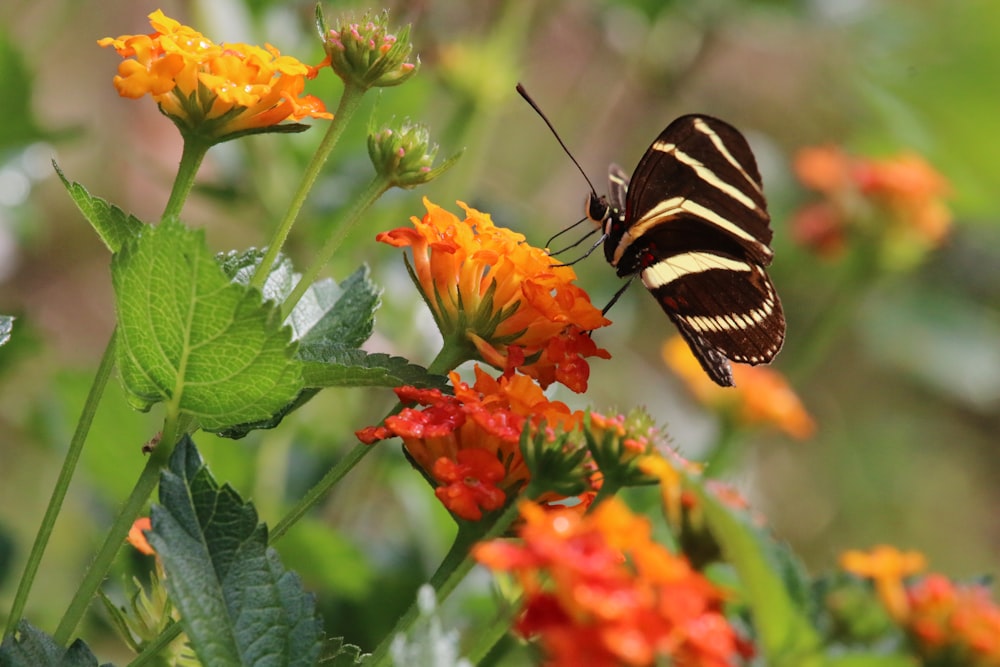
527,98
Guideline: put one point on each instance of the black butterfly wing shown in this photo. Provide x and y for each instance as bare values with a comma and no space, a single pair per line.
696,229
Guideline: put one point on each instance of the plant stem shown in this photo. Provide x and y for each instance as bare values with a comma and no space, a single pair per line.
372,192
119,529
150,651
191,157
445,361
488,639
456,564
350,100
62,483
723,453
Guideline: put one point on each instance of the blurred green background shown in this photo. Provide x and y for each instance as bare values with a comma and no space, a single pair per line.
906,391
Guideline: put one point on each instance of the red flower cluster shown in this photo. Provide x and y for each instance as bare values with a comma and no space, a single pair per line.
469,443
600,592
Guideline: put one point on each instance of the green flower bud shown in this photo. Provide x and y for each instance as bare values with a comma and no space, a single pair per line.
365,53
404,155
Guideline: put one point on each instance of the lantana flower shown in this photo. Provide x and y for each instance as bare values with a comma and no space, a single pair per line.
502,298
468,444
887,566
762,395
895,202
214,91
599,591
946,622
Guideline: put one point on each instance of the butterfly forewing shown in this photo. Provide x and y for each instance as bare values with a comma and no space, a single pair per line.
695,227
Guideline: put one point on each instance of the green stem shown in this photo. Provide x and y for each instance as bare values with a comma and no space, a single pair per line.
445,361
151,650
488,639
350,100
320,489
453,569
191,157
119,529
721,456
375,189
856,278
62,483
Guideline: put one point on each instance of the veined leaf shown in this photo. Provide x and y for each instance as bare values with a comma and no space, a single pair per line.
190,335
238,604
30,647
331,314
332,366
112,224
328,313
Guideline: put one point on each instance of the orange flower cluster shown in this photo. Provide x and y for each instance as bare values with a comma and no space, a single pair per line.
898,200
961,622
490,290
762,396
469,443
600,592
943,620
216,90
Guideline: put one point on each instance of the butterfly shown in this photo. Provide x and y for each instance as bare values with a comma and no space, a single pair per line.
692,224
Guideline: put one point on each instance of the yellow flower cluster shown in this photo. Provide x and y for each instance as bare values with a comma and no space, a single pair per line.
214,90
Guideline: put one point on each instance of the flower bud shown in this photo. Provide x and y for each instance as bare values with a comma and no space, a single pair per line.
404,155
365,53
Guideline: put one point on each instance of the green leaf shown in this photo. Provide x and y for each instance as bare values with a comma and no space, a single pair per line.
241,265
190,336
238,604
786,636
332,366
30,647
329,317
112,224
328,313
331,314
6,326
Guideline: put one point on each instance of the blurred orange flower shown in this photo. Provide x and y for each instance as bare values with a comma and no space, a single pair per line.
897,201
761,396
137,538
490,290
469,443
213,90
599,591
958,621
887,566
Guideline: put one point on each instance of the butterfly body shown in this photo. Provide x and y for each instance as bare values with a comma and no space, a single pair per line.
692,224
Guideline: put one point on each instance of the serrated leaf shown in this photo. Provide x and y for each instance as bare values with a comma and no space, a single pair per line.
30,647
238,604
6,327
190,335
331,314
328,313
241,265
786,637
333,366
112,224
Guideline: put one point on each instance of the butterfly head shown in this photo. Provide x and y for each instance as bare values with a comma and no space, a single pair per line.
598,209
